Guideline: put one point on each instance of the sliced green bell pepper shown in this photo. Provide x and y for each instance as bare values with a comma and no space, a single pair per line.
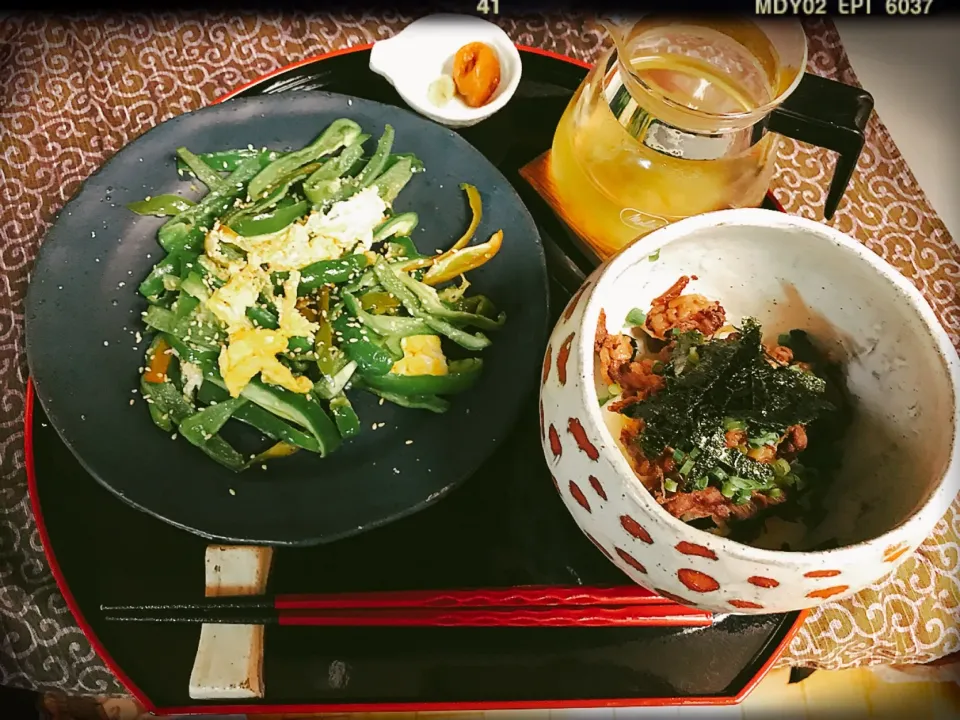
344,416
171,264
379,303
462,375
188,229
393,179
323,186
166,404
161,205
431,303
294,407
255,416
386,325
355,342
433,403
331,272
203,172
200,429
401,225
328,388
270,222
340,133
375,166
228,160
393,284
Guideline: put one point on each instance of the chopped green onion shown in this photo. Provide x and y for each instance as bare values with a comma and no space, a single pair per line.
775,494
678,456
614,389
731,424
670,485
729,489
743,497
767,438
687,466
693,357
701,482
654,257
636,317
781,467
695,453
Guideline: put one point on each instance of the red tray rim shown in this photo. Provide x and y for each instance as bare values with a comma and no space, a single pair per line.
251,709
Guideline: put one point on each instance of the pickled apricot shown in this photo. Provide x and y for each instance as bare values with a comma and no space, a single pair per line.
476,73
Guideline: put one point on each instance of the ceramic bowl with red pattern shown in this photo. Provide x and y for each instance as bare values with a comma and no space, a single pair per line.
899,461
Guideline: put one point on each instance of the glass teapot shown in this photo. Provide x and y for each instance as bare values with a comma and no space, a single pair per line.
684,116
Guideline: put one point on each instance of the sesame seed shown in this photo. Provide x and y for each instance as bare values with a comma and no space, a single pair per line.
92,234
263,467
396,471
121,284
381,401
373,426
83,417
105,343
132,401
173,437
232,491
380,425
409,442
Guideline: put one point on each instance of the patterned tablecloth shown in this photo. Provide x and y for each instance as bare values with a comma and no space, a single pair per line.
74,90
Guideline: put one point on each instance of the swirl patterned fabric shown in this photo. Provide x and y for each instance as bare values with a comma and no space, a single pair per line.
74,90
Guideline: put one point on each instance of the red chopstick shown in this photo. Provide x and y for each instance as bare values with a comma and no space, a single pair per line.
527,596
531,606
591,616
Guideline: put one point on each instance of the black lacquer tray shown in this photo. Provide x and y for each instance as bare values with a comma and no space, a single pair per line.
504,527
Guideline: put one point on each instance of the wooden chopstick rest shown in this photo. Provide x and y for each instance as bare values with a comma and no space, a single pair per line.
229,660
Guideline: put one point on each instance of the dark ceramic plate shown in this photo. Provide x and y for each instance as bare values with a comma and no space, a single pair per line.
84,348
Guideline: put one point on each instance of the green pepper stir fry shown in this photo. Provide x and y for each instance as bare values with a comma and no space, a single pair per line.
292,284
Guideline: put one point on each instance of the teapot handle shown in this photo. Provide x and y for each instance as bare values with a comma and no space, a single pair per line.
831,115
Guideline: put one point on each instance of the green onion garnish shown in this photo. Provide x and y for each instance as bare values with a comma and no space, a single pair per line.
781,468
767,438
701,482
743,497
670,485
729,489
775,494
687,466
636,317
719,473
731,424
678,456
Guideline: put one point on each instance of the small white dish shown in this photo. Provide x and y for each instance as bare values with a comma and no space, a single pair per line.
424,50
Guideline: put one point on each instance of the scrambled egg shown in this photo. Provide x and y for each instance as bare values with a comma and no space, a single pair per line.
249,351
422,355
352,221
254,350
292,323
230,302
349,224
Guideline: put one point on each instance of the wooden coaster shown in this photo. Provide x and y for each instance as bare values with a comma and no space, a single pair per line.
537,173
229,660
